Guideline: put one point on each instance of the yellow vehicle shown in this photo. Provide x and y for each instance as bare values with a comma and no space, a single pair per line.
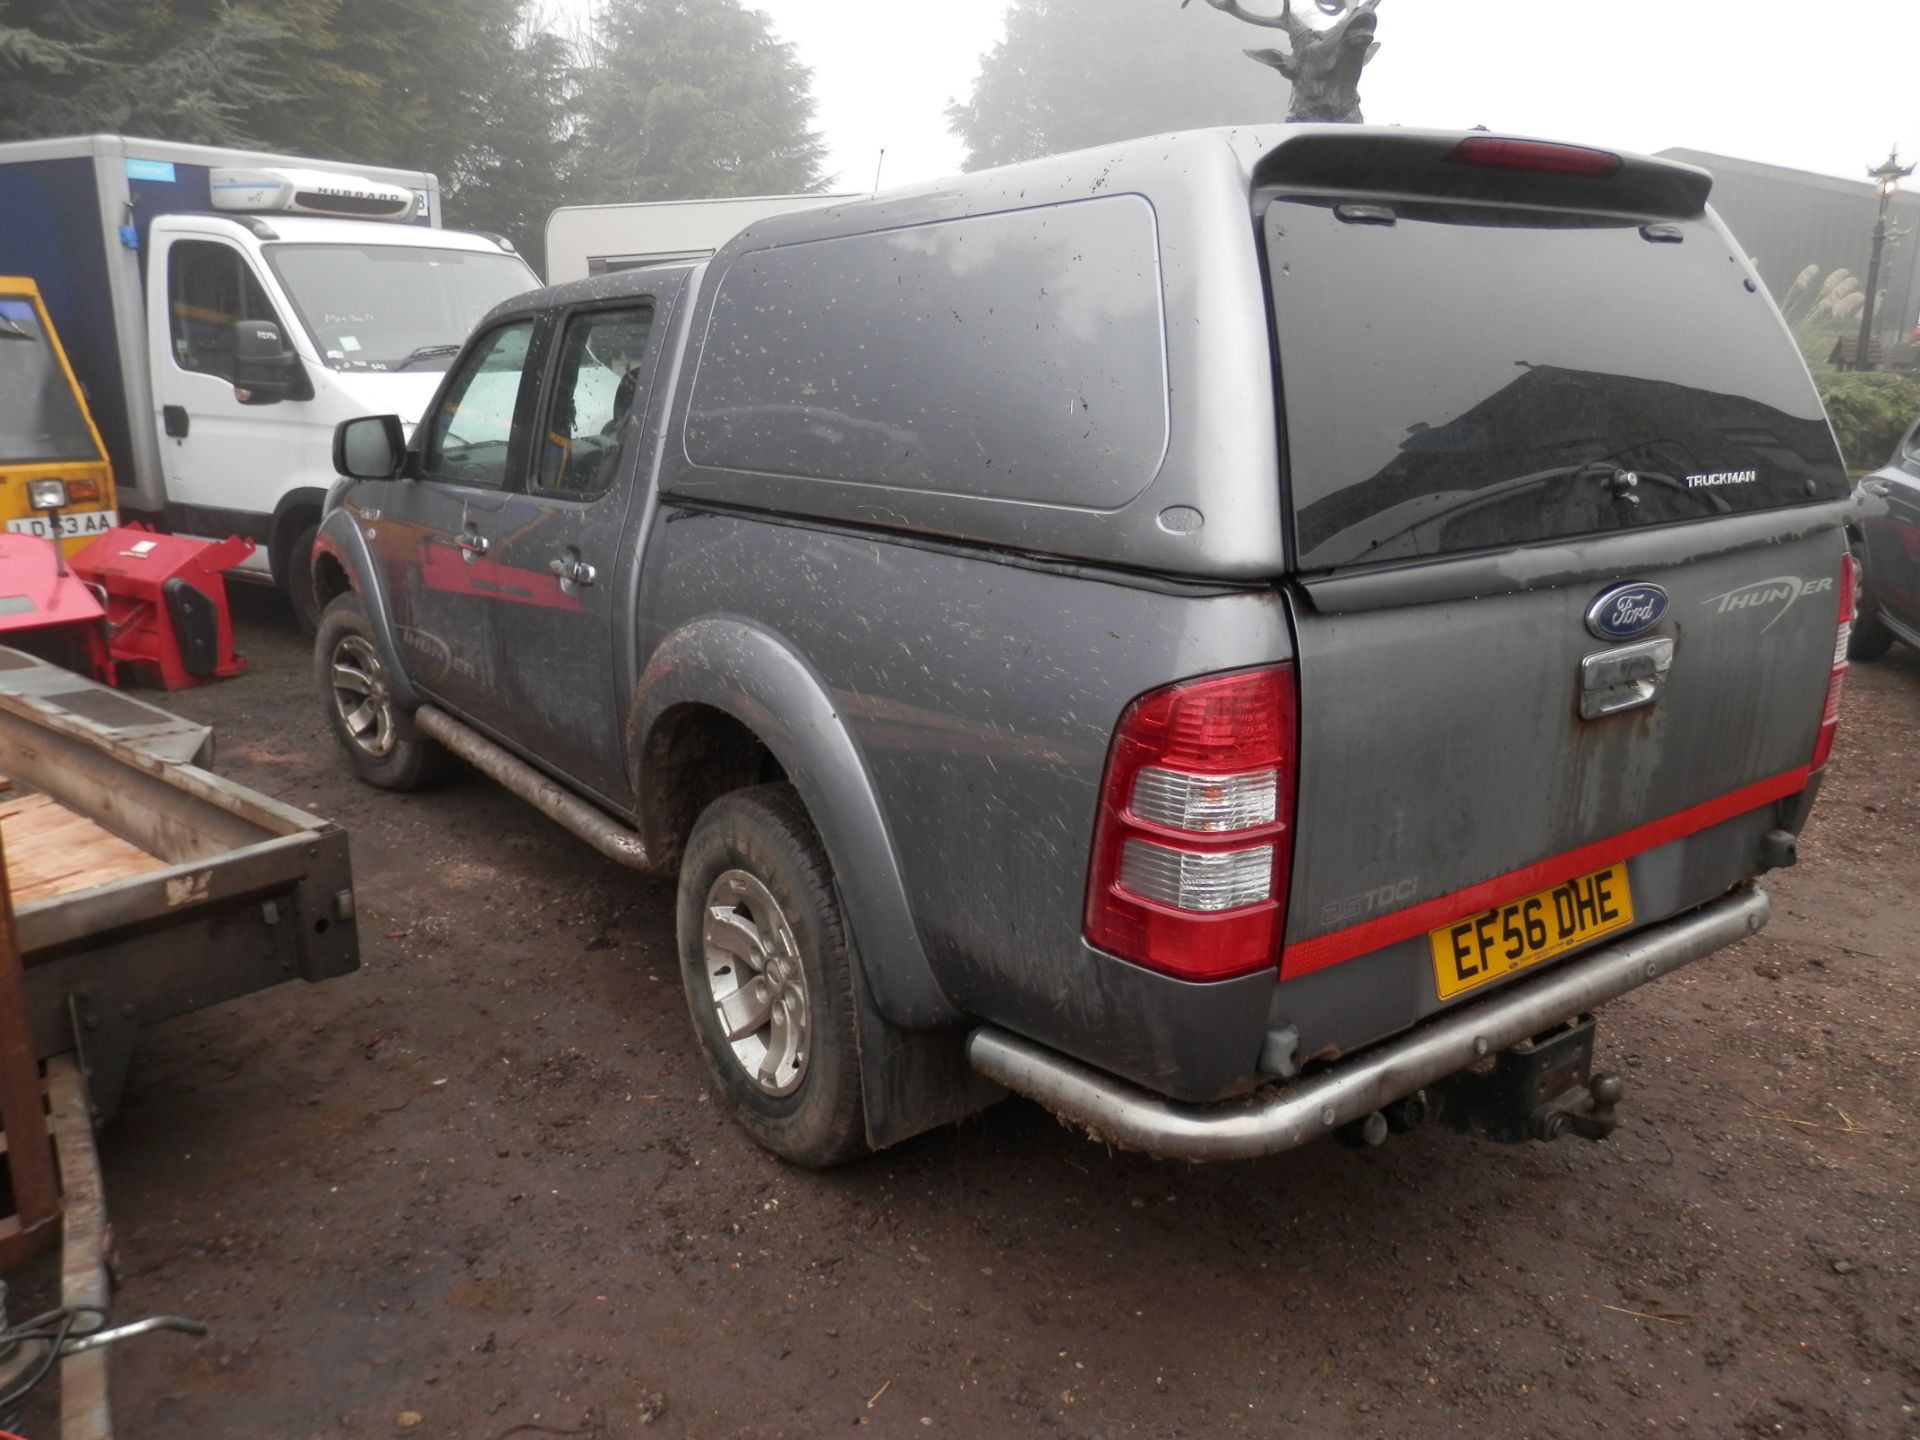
46,432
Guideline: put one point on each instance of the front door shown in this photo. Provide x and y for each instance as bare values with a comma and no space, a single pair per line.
558,695
219,455
437,536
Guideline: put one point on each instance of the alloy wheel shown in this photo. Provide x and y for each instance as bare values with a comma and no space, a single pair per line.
756,981
361,697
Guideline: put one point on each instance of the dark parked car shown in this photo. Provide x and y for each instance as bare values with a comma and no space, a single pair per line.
1238,636
1887,554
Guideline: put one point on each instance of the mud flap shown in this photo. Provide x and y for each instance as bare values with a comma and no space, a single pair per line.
912,1081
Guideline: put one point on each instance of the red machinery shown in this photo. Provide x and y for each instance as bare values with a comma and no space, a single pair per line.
46,608
166,602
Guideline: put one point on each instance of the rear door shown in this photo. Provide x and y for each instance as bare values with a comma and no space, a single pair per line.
1567,592
557,693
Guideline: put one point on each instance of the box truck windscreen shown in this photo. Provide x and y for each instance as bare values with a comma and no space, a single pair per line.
393,307
40,421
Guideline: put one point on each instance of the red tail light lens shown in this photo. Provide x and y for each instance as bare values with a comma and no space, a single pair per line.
1193,848
1830,716
1536,155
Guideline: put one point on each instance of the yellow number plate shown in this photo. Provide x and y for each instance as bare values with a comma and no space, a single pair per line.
1482,948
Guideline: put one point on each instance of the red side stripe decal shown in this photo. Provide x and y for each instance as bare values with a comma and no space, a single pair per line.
1307,956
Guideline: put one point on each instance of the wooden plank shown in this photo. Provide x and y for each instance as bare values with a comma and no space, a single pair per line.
85,1411
52,850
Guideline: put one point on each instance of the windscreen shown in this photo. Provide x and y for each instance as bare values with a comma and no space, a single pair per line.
1463,377
39,418
394,307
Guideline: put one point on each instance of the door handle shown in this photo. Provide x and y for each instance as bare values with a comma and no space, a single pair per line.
173,419
1624,678
571,569
1876,487
473,542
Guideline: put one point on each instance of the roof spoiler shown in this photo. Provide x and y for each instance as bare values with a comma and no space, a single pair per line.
1450,165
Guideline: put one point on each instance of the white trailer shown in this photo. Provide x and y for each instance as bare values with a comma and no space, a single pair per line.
585,240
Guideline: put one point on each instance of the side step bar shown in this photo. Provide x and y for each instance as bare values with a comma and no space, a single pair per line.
608,836
1274,1120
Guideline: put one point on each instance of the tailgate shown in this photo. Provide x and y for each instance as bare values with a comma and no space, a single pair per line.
1566,513
1446,767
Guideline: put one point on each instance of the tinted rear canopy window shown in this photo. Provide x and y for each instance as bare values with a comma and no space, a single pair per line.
1017,356
1460,377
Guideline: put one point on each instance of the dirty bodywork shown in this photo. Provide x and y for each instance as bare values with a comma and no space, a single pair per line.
935,553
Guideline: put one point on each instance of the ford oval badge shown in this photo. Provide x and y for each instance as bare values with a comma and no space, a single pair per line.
1626,611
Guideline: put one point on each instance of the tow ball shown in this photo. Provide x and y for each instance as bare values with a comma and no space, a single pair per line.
1541,1089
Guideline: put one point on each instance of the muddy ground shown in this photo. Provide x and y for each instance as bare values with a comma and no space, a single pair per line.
480,1189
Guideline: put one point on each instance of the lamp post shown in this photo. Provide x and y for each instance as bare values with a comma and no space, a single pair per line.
1886,179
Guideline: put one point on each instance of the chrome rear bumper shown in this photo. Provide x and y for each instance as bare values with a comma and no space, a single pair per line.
1278,1119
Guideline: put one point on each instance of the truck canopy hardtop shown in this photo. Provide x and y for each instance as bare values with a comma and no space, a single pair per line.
1186,485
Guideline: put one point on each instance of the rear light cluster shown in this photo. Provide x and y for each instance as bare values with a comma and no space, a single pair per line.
1830,716
1193,847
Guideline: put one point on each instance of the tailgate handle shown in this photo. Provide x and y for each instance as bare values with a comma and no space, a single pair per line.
1624,678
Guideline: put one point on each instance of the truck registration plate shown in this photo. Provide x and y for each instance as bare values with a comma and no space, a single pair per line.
73,523
1482,948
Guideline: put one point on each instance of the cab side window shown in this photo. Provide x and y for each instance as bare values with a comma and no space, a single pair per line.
601,367
474,432
1910,449
210,290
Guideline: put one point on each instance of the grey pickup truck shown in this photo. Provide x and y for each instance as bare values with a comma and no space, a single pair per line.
1238,636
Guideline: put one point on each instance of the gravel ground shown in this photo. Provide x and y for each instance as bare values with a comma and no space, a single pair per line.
480,1190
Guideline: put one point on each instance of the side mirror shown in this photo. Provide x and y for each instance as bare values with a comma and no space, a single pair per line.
265,369
374,447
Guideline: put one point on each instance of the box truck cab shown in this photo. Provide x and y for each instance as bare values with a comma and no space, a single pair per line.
226,309
45,431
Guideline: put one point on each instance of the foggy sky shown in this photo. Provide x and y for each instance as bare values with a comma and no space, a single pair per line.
1818,86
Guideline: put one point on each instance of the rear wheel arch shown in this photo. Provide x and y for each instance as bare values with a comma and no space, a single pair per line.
701,761
728,680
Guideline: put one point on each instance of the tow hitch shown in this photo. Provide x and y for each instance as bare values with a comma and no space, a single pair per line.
1540,1089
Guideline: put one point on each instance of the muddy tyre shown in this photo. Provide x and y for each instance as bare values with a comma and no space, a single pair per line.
297,580
380,739
766,964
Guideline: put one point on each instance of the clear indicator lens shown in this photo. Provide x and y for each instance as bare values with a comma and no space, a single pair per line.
1199,883
1205,804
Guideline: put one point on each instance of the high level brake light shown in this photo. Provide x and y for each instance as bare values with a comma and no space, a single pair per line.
1830,716
1193,847
1539,156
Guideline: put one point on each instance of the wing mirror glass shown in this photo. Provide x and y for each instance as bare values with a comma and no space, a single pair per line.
374,447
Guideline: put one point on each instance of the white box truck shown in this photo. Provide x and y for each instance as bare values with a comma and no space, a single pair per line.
226,309
585,240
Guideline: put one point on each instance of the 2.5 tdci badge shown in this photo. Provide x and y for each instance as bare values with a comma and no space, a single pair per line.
1626,611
